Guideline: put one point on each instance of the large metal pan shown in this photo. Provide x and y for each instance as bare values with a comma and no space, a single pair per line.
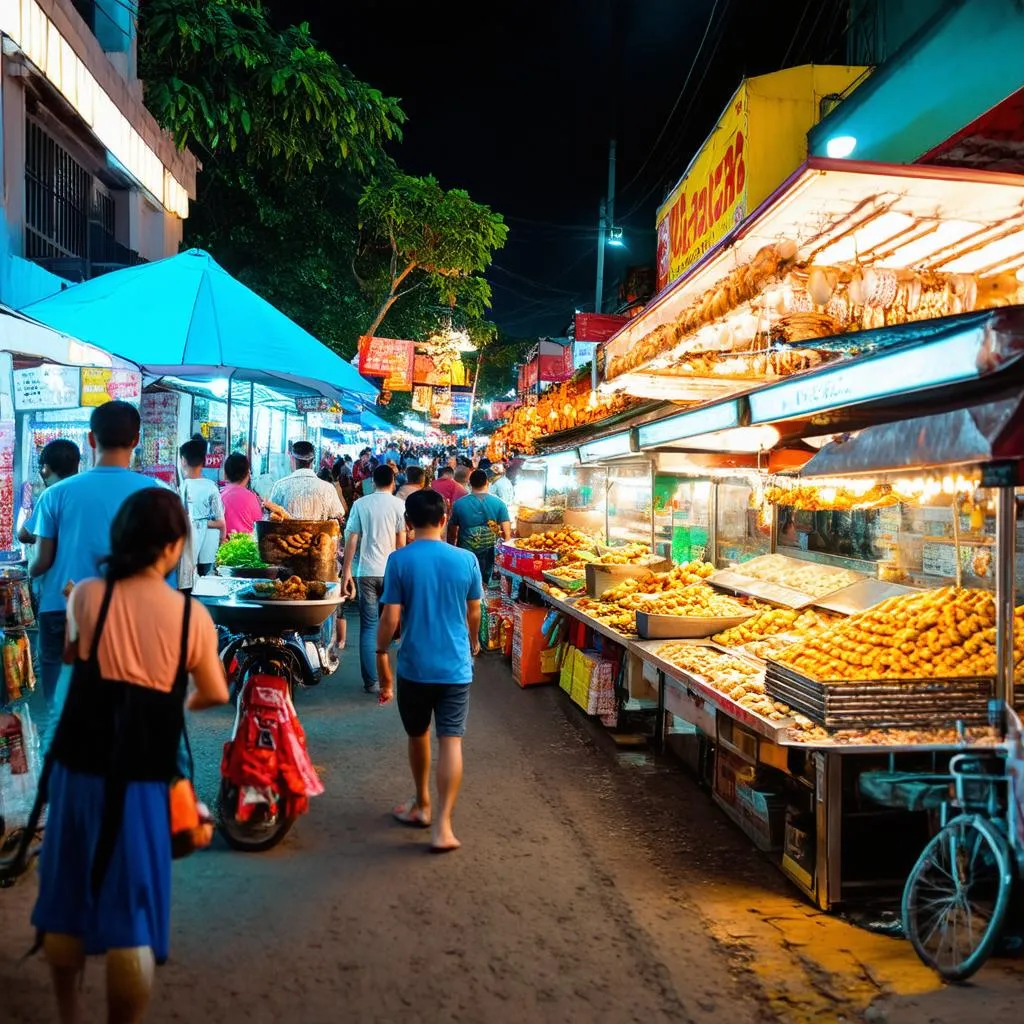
239,615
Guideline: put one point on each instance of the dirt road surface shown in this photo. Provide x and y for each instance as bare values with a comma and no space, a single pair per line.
592,887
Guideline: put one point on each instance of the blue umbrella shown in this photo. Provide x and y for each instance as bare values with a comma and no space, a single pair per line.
186,316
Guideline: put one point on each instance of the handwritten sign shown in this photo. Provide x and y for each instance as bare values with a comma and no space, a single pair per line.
100,386
46,387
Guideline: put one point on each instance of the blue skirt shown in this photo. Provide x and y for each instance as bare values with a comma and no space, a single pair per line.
133,907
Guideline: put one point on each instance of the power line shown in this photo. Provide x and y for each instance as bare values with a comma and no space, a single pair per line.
530,281
672,154
796,32
675,105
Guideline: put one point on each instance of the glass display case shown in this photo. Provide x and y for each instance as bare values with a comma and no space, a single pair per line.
682,517
913,542
630,501
742,531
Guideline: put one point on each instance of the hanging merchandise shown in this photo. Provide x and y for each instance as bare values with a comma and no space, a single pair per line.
19,768
7,432
159,413
19,675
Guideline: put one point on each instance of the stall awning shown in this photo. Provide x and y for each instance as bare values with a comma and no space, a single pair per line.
188,317
698,339
993,432
20,335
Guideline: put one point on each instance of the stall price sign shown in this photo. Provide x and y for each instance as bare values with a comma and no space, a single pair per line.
100,386
46,387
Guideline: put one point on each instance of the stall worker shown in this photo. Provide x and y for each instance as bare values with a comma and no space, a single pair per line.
242,506
302,494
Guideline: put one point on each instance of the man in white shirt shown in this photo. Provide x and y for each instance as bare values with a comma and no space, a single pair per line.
376,527
205,512
501,486
302,494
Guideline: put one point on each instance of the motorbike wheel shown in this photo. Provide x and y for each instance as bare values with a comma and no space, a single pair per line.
248,836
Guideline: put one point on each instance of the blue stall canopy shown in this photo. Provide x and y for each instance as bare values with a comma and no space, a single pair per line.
186,316
367,420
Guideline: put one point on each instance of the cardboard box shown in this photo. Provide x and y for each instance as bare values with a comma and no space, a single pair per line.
525,563
528,642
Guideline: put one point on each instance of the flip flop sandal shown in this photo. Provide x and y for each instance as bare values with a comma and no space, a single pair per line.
411,815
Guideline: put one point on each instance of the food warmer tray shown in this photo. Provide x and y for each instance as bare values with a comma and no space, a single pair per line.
859,597
892,703
647,649
568,608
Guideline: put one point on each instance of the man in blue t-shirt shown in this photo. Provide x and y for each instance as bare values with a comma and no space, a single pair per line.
478,520
435,591
72,527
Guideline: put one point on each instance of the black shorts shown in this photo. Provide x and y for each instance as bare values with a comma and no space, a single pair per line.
447,703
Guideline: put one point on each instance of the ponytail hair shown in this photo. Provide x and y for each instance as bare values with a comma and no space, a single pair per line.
145,524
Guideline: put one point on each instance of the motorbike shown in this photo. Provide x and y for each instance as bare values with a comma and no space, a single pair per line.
269,652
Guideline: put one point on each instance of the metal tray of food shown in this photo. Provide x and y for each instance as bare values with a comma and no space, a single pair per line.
703,687
859,704
859,597
684,627
570,586
787,597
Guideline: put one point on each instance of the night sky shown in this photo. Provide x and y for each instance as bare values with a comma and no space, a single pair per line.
516,101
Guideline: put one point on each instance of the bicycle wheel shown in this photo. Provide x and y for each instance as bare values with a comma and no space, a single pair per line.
957,895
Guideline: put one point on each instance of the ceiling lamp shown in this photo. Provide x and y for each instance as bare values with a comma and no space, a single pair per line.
839,147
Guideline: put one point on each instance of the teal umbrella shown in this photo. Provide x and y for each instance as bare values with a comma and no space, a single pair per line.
186,316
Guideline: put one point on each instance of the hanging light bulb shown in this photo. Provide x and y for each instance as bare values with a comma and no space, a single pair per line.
592,400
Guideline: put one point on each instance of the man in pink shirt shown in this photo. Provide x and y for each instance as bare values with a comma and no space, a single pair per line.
242,507
446,486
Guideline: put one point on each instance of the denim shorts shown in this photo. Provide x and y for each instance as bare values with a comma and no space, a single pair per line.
448,703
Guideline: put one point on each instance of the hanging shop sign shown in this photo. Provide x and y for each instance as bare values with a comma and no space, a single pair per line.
385,357
760,139
427,372
400,378
100,386
421,398
597,326
440,404
554,359
528,376
461,406
47,387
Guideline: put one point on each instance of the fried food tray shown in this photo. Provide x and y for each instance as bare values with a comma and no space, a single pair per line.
866,704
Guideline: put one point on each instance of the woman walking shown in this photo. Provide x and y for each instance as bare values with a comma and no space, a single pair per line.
105,865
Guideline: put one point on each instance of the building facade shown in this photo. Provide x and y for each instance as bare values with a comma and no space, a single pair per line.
90,181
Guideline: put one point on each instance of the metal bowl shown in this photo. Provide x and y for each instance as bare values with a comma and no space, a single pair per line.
270,572
253,617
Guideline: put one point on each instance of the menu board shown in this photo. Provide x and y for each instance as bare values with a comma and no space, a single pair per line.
462,403
100,386
46,387
387,357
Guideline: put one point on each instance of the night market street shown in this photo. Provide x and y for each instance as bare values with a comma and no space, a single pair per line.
587,890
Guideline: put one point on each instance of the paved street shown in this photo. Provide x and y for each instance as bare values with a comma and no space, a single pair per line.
591,887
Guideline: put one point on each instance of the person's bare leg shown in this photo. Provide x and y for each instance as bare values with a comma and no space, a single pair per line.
129,983
340,630
419,762
449,779
66,957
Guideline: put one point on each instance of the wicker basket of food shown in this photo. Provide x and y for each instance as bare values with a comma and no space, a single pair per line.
306,549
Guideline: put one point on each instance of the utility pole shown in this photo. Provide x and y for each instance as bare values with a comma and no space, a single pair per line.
605,221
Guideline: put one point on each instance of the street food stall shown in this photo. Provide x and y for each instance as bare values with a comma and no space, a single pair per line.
831,466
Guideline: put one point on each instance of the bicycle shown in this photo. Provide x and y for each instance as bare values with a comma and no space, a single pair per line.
957,895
